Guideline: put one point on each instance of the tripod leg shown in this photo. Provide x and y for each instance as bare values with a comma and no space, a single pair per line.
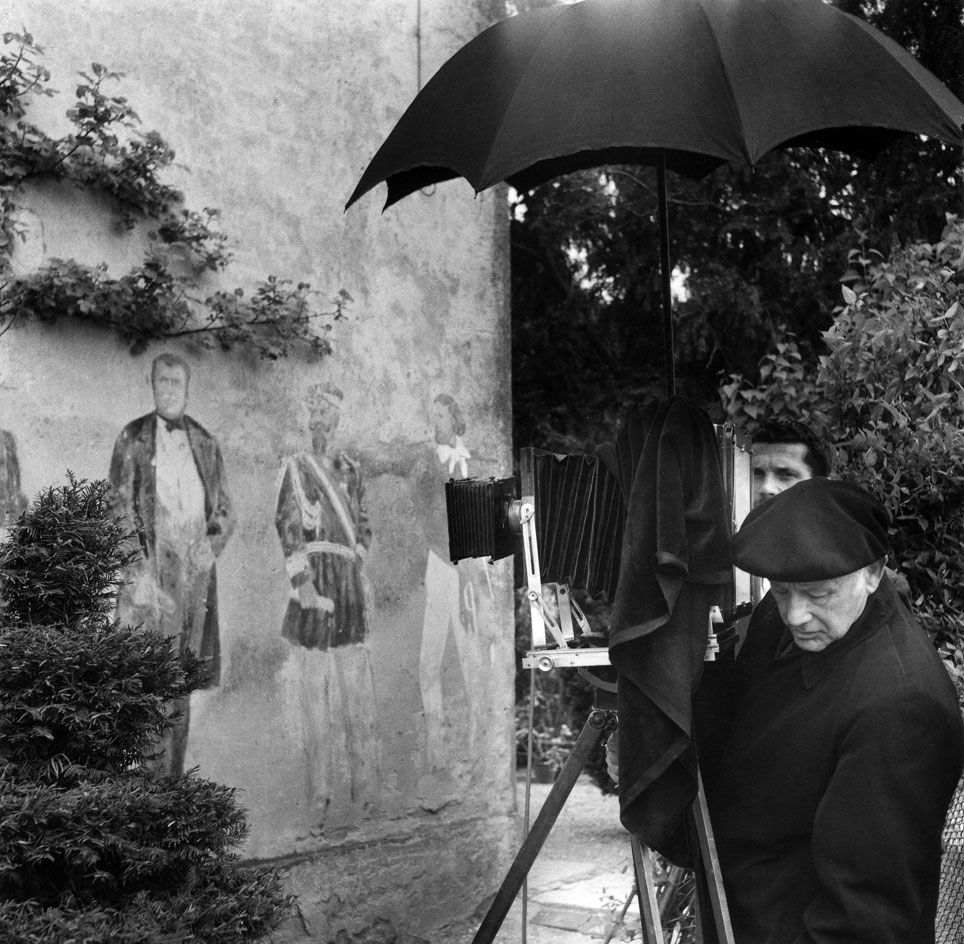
588,738
709,878
646,892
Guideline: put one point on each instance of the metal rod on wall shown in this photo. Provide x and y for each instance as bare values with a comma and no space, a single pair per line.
665,275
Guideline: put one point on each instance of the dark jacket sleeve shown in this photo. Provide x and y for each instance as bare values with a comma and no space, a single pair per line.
210,466
123,481
877,830
221,520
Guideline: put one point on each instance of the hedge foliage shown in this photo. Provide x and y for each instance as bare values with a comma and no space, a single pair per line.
100,840
223,905
62,560
888,392
97,698
94,845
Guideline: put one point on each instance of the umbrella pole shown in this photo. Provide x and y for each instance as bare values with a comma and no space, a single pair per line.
665,273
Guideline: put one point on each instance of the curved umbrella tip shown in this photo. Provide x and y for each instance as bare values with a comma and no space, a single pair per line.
357,193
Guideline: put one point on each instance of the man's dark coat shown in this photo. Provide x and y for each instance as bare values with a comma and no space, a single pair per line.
831,792
132,476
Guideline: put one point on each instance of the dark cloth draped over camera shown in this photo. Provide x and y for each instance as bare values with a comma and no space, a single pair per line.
674,562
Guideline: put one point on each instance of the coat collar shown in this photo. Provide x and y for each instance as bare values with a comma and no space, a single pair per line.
880,608
148,425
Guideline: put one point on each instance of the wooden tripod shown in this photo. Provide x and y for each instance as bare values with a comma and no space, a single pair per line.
709,881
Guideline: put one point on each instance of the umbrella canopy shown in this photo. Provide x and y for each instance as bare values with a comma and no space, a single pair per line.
694,83
687,85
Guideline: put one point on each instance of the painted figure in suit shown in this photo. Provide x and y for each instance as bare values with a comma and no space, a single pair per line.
168,481
323,529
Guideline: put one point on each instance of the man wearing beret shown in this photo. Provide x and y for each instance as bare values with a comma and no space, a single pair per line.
829,796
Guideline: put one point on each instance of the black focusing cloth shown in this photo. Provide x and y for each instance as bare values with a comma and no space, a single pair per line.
674,565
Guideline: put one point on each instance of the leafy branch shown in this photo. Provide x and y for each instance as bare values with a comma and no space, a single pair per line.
107,152
150,302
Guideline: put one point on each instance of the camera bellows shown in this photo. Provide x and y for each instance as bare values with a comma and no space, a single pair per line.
478,518
579,515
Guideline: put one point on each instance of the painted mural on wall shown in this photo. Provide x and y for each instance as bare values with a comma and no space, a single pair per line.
324,532
12,499
169,483
453,670
323,528
453,604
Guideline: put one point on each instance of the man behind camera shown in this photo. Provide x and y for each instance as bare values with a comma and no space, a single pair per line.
829,794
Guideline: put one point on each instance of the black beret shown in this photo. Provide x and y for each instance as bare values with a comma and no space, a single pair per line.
815,530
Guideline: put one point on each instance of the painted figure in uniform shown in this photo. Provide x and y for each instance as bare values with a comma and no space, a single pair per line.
168,482
323,528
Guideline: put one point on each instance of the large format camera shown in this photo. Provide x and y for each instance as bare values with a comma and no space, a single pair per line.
570,517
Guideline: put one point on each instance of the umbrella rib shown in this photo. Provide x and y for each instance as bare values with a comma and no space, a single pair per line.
895,51
484,177
729,84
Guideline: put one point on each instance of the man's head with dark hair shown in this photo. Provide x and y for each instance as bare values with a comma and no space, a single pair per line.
786,452
170,360
448,419
170,376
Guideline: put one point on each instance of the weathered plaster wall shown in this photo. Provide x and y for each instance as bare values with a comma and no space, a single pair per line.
275,108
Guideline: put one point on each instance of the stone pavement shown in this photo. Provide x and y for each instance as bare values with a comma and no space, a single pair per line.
579,883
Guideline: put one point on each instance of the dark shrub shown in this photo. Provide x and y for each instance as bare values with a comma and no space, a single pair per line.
62,561
95,847
93,696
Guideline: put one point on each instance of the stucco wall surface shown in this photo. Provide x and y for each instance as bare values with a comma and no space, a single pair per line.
379,773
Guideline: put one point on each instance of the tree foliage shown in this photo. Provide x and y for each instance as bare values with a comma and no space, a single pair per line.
759,253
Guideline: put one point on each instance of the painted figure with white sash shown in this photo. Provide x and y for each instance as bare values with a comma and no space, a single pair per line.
324,534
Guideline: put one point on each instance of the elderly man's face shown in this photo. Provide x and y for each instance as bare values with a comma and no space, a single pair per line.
822,612
777,466
170,390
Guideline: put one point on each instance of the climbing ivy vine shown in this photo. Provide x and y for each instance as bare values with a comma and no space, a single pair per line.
106,151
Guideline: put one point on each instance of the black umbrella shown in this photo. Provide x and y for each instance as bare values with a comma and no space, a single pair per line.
687,85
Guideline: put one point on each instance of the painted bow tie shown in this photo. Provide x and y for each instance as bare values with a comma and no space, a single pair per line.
455,457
